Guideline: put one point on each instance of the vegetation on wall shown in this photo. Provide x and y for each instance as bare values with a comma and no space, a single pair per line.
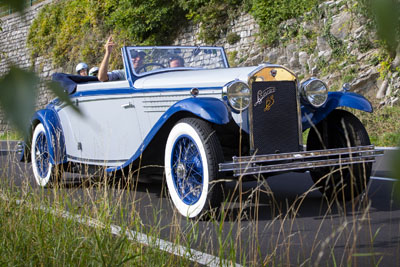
72,31
214,16
269,14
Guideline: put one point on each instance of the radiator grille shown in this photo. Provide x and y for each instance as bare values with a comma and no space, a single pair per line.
274,117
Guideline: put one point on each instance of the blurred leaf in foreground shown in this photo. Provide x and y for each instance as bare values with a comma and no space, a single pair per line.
18,91
387,15
62,95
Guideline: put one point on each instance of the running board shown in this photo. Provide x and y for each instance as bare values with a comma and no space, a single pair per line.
300,160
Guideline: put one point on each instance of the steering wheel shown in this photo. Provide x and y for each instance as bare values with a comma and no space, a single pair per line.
144,66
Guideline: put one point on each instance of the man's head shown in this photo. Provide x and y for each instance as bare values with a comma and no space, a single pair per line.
176,61
82,69
137,59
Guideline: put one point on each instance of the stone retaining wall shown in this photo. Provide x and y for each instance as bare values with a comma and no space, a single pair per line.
13,51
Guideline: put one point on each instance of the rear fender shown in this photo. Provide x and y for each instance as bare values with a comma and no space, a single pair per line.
311,116
54,134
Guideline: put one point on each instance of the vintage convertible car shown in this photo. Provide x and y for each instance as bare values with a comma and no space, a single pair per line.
203,122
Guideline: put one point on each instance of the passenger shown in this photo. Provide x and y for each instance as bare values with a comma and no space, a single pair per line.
176,61
104,75
82,69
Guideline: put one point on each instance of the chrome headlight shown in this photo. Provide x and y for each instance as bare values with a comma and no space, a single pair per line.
238,95
314,92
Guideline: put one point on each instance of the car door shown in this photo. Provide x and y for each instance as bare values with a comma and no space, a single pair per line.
107,134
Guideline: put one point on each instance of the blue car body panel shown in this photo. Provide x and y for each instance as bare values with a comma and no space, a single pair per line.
210,109
311,116
55,137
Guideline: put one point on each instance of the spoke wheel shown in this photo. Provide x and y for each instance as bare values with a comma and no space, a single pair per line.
340,129
43,169
192,155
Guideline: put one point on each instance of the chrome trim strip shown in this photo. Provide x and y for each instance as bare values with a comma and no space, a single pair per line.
306,154
300,160
102,162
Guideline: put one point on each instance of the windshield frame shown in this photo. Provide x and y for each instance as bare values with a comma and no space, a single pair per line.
132,73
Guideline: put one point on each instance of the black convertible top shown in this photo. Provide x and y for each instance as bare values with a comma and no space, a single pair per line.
69,81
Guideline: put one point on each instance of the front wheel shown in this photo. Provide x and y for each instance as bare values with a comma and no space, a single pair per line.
192,154
43,170
340,129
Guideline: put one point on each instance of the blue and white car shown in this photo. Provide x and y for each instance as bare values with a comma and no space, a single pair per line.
203,123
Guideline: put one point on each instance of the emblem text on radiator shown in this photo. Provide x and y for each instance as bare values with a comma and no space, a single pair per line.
261,94
269,102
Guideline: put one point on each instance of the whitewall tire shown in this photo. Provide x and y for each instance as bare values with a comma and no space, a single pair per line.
192,154
41,164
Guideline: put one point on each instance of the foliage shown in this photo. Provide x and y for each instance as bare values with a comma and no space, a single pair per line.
232,38
270,14
213,16
75,31
382,125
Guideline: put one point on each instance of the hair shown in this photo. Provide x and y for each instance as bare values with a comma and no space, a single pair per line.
180,59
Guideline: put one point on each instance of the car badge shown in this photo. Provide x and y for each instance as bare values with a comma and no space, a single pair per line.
269,102
273,73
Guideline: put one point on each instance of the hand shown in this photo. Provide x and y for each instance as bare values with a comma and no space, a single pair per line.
109,45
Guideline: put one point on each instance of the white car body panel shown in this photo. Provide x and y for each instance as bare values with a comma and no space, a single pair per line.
95,138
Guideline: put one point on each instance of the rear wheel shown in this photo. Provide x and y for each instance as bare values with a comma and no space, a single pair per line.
340,129
43,170
192,154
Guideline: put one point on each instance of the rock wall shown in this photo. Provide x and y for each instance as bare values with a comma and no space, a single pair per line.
332,42
13,51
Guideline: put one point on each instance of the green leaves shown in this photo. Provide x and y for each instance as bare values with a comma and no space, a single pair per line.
18,91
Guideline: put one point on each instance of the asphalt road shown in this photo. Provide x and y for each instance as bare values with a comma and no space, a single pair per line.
281,223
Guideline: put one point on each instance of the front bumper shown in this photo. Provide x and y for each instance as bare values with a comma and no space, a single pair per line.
303,160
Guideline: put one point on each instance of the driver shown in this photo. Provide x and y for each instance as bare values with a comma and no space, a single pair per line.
104,75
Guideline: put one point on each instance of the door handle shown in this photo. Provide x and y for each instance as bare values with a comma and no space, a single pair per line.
129,105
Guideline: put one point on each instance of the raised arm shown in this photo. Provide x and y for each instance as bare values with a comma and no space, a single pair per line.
104,64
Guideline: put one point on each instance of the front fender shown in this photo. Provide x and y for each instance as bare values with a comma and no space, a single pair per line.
311,116
207,108
54,134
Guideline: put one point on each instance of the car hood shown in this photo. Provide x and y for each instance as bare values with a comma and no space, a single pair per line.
193,78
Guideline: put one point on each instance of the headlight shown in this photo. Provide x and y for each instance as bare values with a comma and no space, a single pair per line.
238,95
314,92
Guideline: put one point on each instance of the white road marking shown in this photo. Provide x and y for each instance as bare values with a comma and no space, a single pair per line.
383,179
181,251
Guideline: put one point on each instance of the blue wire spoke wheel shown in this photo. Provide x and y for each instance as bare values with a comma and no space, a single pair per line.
187,169
41,164
192,154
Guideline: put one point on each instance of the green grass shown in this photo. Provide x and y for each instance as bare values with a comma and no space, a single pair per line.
383,125
9,135
39,236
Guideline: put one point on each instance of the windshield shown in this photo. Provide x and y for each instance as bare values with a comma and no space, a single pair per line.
154,59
